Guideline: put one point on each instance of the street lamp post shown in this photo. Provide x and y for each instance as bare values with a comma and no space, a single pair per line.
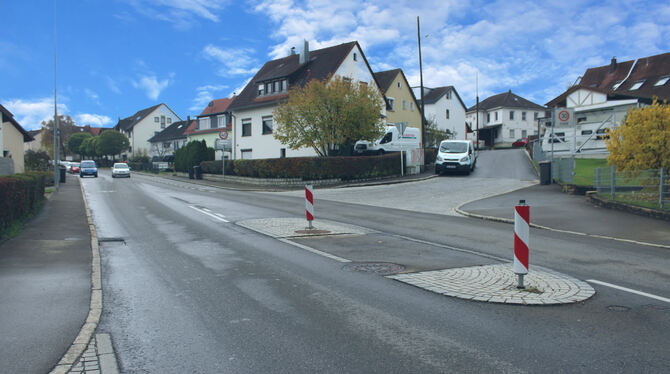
423,117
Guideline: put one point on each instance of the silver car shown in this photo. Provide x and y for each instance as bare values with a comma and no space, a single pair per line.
120,170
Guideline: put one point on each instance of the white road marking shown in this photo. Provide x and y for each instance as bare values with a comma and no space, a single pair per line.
629,290
220,215
208,214
315,251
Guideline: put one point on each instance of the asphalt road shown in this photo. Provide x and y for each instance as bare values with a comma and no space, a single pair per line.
193,292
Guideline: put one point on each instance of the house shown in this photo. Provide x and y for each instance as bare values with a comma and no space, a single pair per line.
143,125
401,106
12,139
504,118
444,106
172,138
252,110
34,145
214,118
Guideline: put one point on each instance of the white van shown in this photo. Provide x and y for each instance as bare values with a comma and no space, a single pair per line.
456,155
390,142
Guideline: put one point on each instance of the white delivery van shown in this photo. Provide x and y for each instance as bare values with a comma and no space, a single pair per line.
456,155
392,141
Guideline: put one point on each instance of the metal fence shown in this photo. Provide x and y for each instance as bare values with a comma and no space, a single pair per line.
563,169
649,188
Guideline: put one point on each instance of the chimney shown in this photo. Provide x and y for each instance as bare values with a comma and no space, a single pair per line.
613,65
188,119
304,55
292,51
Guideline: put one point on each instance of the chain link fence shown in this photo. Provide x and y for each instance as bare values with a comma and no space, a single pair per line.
648,188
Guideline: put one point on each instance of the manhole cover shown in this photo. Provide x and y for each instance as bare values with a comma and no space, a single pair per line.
381,268
618,308
312,232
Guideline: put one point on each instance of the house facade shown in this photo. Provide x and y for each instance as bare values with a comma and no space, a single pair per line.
209,123
252,110
143,125
401,106
444,106
603,97
12,139
504,118
166,142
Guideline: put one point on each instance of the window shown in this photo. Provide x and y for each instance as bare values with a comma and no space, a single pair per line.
488,117
202,123
447,113
581,119
399,85
411,106
261,89
346,80
535,115
391,103
284,85
169,119
558,137
268,88
602,134
662,81
213,123
511,133
587,132
523,116
162,120
267,125
496,116
355,57
282,153
277,86
246,128
221,121
246,154
156,119
636,85
166,145
387,138
404,105
524,133
511,114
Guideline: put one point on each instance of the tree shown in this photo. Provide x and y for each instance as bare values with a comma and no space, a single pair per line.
36,160
642,141
67,127
75,140
112,143
434,135
88,147
327,115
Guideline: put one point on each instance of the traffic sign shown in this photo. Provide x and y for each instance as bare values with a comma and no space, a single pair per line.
564,116
223,134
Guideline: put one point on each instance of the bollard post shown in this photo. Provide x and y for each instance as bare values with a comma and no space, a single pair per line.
521,238
309,204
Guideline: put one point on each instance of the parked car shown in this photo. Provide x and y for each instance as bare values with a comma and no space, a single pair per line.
523,142
456,155
120,170
392,141
88,167
65,164
74,168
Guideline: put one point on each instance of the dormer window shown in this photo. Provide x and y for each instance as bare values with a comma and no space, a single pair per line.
662,81
261,89
636,85
272,87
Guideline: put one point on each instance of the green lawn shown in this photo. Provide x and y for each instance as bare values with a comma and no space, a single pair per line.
585,170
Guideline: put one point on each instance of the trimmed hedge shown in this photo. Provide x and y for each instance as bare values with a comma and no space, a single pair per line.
310,168
21,195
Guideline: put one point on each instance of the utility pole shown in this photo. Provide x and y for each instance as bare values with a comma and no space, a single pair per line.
423,117
56,129
477,107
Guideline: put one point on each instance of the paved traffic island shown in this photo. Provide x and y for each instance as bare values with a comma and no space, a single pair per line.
298,227
498,284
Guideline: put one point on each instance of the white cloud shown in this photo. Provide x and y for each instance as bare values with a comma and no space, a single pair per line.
111,83
151,85
182,14
234,61
204,95
30,113
92,119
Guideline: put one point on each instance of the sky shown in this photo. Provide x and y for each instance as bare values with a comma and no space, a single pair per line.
116,57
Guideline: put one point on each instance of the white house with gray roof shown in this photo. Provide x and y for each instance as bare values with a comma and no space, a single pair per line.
143,125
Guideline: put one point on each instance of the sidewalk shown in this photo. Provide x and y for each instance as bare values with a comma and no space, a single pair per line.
45,284
549,207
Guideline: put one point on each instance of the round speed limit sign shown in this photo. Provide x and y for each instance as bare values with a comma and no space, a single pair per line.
563,116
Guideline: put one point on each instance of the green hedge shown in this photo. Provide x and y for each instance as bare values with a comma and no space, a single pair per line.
310,168
21,195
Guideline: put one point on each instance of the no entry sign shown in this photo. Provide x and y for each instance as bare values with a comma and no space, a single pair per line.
223,134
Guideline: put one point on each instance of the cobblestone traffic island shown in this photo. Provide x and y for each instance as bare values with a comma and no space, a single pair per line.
497,284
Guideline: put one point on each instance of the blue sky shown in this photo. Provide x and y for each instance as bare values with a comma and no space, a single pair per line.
115,57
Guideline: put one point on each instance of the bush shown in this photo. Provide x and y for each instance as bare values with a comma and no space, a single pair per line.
21,195
314,168
191,155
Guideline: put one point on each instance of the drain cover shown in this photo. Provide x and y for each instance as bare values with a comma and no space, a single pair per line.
111,240
381,268
618,308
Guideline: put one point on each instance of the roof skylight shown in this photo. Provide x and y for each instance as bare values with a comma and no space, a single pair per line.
662,81
636,85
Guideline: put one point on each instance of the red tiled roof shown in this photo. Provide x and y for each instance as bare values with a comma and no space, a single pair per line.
216,106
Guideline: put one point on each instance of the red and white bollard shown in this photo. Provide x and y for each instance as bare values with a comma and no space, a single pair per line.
309,204
521,238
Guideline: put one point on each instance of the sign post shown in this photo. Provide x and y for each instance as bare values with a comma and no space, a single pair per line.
401,126
224,144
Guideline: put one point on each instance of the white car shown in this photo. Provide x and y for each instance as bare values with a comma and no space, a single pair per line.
120,170
456,155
